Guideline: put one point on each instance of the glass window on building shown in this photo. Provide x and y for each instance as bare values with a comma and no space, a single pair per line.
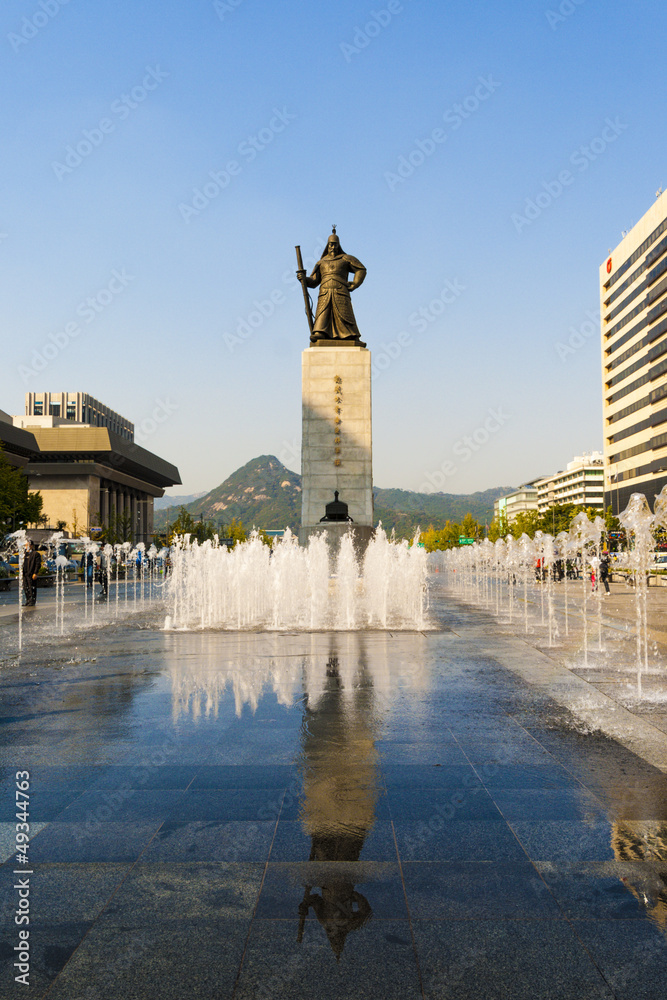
71,411
39,408
54,409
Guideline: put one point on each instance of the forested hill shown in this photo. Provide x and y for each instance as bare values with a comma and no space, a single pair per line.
262,494
405,510
266,494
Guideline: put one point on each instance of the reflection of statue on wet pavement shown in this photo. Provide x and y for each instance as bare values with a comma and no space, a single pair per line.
340,792
334,318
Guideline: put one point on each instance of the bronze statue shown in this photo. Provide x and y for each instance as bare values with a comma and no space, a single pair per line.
334,321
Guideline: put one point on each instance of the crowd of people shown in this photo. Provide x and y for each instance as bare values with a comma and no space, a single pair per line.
598,572
94,566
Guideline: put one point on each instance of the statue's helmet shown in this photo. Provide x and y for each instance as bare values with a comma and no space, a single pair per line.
336,242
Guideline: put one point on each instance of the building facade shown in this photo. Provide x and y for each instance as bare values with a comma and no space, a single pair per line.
633,297
89,475
78,408
517,502
581,483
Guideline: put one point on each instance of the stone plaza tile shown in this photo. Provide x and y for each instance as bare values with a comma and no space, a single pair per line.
417,752
517,959
169,961
51,947
511,776
211,840
166,893
121,804
286,884
244,776
217,793
457,840
429,776
373,960
631,955
155,777
292,843
61,893
257,805
8,838
548,803
45,803
434,804
74,777
111,841
506,752
471,890
610,890
565,841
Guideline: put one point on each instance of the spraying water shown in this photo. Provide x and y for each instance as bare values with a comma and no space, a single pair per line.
251,586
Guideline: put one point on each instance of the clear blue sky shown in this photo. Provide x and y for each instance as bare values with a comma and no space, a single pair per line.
333,110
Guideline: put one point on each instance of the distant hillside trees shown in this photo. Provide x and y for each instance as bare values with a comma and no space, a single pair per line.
202,531
552,521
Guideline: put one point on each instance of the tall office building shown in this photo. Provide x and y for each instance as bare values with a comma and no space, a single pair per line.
633,297
74,407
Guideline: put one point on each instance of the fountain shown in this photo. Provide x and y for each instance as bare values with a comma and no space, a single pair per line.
294,587
638,522
545,560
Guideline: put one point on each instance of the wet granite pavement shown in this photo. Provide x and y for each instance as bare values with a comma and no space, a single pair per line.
339,815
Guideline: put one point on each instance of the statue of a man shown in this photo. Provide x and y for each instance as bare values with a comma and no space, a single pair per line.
334,318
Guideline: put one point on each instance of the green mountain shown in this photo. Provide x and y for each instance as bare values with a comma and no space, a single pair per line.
261,494
405,510
265,494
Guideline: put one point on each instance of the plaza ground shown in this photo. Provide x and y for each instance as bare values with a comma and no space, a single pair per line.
461,812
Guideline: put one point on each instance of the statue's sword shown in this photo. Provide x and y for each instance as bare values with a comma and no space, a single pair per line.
306,296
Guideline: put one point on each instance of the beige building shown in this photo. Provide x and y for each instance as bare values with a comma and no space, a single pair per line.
581,483
633,287
90,476
517,502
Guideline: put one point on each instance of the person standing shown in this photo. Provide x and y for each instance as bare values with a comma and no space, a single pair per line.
104,572
604,571
595,565
32,563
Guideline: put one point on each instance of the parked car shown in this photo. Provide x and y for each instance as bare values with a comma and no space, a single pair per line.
7,575
659,561
70,567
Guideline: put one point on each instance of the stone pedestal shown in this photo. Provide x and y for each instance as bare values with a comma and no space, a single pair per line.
336,450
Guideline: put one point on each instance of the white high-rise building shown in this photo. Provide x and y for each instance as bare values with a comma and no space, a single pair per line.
581,483
633,297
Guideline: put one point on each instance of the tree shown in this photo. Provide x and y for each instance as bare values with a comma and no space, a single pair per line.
185,524
118,529
17,504
499,528
236,531
441,538
471,528
526,522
